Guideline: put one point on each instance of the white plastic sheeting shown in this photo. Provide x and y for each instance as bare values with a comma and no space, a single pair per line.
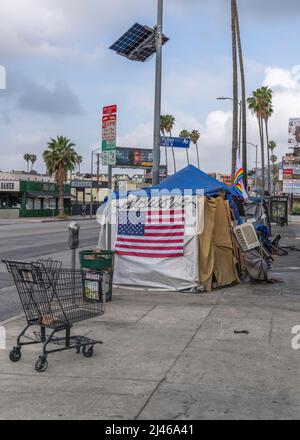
171,274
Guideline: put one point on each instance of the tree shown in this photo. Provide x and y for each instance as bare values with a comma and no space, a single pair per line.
163,125
243,89
79,162
60,158
169,125
272,146
33,159
256,105
27,159
267,113
235,89
195,136
275,170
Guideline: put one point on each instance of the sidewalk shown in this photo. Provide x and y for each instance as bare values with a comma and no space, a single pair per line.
17,221
172,356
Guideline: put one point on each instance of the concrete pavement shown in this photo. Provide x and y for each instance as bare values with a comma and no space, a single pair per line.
172,356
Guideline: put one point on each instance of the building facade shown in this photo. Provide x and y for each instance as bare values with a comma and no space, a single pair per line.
25,195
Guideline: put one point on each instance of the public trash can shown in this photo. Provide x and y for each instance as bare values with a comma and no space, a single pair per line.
98,268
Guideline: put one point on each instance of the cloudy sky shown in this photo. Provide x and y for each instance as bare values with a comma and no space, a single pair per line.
60,73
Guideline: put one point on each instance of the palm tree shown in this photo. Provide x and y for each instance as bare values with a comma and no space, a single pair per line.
163,124
170,123
268,112
60,158
79,162
186,135
195,136
27,159
235,89
256,105
274,160
272,146
243,89
33,159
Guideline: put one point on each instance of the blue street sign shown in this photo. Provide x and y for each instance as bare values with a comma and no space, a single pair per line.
171,142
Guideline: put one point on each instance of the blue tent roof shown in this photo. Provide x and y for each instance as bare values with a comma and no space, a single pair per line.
190,178
194,179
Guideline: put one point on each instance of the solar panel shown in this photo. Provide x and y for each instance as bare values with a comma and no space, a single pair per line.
138,43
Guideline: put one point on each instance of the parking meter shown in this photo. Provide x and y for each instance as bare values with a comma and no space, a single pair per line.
74,229
73,241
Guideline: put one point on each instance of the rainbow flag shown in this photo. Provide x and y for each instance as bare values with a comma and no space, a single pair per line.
238,183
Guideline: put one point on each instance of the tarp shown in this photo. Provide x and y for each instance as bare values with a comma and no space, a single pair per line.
180,273
216,251
189,178
171,274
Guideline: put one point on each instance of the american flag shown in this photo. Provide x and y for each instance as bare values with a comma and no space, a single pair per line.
151,234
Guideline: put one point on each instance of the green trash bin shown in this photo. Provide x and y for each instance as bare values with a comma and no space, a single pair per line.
98,268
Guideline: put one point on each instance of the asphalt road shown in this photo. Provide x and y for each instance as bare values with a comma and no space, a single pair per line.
32,241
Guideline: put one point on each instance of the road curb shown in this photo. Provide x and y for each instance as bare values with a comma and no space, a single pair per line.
10,320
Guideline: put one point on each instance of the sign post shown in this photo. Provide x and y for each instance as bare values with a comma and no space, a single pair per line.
109,156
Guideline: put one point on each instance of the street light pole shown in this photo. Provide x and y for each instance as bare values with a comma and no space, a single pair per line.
92,172
158,84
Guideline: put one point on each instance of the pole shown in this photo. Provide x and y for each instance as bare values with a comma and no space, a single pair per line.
240,129
110,189
92,171
158,83
256,167
98,175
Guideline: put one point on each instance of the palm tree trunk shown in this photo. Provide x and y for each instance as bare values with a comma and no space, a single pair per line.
244,102
61,208
268,156
198,157
166,153
261,132
173,154
235,90
187,156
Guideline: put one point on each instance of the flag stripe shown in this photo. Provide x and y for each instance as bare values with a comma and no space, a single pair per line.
162,227
152,248
134,254
149,241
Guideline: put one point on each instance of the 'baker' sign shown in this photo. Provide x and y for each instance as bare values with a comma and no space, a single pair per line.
9,186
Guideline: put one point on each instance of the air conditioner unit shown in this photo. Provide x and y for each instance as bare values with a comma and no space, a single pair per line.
247,237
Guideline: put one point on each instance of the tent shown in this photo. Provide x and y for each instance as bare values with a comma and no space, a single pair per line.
204,251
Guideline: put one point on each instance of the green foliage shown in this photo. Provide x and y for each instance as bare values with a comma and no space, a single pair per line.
60,158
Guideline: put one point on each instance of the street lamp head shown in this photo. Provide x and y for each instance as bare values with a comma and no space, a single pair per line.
224,98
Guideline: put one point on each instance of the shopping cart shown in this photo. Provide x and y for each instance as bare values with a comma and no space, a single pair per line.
53,300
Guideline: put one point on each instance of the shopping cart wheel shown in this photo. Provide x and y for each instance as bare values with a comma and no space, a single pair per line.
15,355
41,364
87,351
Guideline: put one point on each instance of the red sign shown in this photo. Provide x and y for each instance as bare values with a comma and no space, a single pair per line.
110,110
288,172
109,118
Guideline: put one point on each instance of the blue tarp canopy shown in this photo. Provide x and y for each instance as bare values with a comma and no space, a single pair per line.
193,179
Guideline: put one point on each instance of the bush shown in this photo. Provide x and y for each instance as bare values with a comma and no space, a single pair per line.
296,211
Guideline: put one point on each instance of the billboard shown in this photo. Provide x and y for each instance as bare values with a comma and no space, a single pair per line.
134,158
294,132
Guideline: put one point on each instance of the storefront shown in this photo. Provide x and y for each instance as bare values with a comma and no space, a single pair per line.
10,199
40,199
21,198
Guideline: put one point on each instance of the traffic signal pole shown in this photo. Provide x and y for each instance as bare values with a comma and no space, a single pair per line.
158,85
